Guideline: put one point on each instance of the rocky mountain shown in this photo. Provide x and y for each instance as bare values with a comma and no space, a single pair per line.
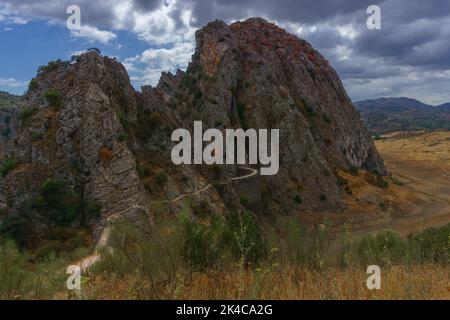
82,122
384,115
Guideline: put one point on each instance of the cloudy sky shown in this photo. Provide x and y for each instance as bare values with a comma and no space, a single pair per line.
409,56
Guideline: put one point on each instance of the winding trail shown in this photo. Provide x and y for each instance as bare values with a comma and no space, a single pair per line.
88,261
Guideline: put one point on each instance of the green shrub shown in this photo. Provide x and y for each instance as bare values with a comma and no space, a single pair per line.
430,245
243,235
53,98
21,279
51,66
326,118
33,84
16,226
161,177
59,201
94,49
7,166
198,252
14,275
376,180
293,243
298,198
243,199
25,114
143,170
6,132
354,170
156,255
48,248
310,112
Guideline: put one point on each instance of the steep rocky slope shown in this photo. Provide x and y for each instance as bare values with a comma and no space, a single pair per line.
83,122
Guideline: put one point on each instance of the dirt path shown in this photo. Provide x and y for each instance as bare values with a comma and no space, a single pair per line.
87,262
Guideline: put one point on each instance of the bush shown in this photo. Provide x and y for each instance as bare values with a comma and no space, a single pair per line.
376,180
310,112
326,118
354,170
20,279
198,252
34,84
93,49
244,237
59,201
13,266
7,166
25,114
243,199
48,248
431,245
53,98
16,226
298,199
156,255
161,177
51,66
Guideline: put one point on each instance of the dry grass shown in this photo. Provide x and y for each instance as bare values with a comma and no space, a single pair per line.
398,282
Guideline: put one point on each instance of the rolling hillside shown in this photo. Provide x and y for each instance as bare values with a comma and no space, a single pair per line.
384,115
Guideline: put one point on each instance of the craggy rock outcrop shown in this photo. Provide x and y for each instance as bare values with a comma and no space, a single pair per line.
80,137
113,143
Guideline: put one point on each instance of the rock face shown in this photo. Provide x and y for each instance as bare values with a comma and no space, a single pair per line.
113,143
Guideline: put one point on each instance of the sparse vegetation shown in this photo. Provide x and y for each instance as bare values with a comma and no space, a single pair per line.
161,177
236,258
7,166
56,205
376,180
25,114
243,199
33,84
354,170
53,98
298,199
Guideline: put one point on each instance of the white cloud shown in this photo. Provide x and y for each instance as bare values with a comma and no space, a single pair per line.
146,68
11,83
8,16
93,34
160,27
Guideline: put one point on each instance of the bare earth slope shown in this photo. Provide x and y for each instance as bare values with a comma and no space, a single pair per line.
421,161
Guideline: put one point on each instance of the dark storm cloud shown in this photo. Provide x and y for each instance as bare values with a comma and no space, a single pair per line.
285,10
414,38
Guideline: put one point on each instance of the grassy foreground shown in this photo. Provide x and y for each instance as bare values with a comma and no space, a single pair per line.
429,281
238,257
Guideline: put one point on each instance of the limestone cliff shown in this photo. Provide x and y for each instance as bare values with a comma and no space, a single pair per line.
85,123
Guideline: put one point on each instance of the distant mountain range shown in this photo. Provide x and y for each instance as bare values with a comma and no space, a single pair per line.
384,115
